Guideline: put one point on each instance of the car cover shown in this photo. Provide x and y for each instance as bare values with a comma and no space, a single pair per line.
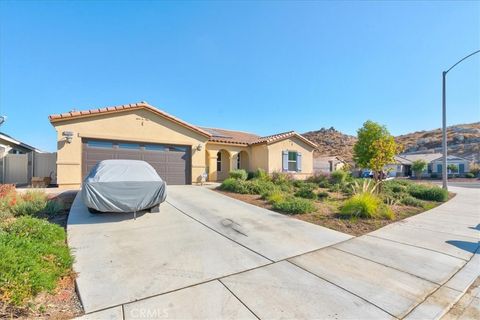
123,186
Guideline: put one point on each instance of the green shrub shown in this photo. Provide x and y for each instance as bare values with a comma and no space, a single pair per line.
53,207
294,205
322,195
324,184
386,212
411,201
335,188
320,179
338,176
432,193
259,186
363,205
239,174
275,197
234,185
298,183
469,175
33,257
261,174
30,203
282,178
307,192
434,175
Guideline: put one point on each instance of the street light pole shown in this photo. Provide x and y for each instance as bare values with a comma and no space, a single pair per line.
444,121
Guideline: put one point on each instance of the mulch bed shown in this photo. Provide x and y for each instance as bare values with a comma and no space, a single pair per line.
327,214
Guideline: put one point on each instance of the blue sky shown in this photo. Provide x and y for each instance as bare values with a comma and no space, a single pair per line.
264,67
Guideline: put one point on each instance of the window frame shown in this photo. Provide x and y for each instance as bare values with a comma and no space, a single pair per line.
219,161
292,161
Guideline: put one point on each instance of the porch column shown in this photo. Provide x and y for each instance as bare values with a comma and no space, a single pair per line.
233,160
212,167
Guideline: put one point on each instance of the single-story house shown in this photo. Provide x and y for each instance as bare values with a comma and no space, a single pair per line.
328,164
403,165
400,168
19,162
180,152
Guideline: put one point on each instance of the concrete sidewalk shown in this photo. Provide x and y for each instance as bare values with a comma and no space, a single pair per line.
242,262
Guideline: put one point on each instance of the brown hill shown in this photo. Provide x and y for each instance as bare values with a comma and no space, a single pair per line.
462,140
332,143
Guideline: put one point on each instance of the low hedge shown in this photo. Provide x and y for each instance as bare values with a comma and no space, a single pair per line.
294,205
424,192
365,205
238,174
33,257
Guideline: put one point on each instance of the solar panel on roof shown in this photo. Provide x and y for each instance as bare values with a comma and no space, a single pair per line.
215,133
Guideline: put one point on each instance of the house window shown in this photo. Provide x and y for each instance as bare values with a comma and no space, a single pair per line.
219,161
238,161
292,160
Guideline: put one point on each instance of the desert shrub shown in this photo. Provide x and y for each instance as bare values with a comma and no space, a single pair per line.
294,205
33,257
261,174
6,189
239,174
411,201
282,177
29,203
338,176
324,184
53,207
385,212
259,186
298,183
234,185
363,205
274,197
432,193
307,191
469,175
335,188
319,178
322,195
475,169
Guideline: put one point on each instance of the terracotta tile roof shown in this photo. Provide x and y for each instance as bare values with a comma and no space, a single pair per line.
231,136
133,106
214,134
282,136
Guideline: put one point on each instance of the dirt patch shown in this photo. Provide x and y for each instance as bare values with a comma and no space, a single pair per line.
327,211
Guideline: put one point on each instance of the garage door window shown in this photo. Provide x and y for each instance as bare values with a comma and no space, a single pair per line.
100,144
155,147
131,146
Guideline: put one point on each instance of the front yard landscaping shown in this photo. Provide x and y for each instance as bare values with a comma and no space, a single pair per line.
337,201
36,277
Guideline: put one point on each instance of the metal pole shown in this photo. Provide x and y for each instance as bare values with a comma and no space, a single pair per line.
444,131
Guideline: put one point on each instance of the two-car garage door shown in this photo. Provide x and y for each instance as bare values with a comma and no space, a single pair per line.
172,162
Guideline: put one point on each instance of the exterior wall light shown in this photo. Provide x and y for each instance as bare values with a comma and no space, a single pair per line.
68,136
199,147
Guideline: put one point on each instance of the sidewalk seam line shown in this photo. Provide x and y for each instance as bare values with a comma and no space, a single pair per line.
338,286
387,266
447,254
243,303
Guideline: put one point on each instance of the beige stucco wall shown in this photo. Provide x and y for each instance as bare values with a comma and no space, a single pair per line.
126,125
231,152
291,144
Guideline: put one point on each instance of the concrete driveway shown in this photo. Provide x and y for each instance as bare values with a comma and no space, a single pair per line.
207,256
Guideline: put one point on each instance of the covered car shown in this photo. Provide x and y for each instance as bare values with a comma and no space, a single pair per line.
123,186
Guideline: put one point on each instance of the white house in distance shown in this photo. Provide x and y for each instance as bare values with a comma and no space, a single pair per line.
403,165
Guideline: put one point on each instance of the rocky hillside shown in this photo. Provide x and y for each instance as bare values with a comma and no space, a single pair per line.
463,140
332,143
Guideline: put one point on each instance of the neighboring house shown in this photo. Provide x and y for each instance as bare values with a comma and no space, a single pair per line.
462,165
400,168
327,164
434,163
19,162
180,152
